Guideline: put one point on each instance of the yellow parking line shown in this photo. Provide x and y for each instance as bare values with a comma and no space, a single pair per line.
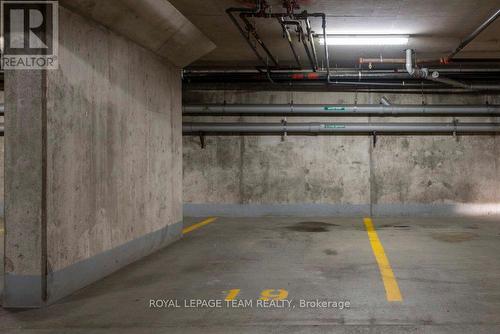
198,225
391,285
2,230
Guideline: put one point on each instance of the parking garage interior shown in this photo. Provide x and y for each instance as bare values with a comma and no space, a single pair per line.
298,166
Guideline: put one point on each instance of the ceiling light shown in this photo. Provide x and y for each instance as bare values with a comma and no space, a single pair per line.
365,40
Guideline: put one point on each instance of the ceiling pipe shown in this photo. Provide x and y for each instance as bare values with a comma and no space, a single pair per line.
446,59
288,18
472,36
292,18
329,81
311,41
411,67
389,79
288,37
246,35
197,129
382,60
322,87
293,76
436,77
354,71
303,16
339,110
468,61
394,78
251,30
302,38
424,73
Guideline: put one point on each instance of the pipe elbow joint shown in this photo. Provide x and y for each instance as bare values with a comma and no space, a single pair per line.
411,67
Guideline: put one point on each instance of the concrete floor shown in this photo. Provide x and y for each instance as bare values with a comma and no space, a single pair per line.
448,271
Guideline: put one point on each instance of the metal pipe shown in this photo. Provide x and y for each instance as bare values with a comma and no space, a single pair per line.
339,110
339,128
290,42
411,67
468,61
353,71
385,101
303,39
382,60
311,41
329,80
322,86
251,29
260,11
327,56
230,12
357,75
455,83
484,87
349,77
474,34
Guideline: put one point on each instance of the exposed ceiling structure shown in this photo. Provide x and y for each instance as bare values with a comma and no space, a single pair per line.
435,29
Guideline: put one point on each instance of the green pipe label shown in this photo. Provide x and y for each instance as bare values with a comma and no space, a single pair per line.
329,108
334,126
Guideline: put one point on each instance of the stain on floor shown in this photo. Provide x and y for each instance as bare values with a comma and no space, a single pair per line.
454,236
330,252
394,226
314,227
473,227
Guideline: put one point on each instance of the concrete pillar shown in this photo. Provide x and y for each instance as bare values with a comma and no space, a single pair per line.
93,158
24,188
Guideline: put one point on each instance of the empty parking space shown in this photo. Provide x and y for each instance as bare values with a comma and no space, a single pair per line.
251,275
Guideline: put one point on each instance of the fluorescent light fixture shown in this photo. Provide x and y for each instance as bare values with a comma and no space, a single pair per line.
365,40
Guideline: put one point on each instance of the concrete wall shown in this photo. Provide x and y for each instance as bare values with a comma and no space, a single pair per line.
114,153
99,145
2,120
340,174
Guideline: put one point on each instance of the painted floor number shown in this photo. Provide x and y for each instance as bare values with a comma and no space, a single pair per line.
268,294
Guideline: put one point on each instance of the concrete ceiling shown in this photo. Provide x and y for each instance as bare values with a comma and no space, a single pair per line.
436,28
156,25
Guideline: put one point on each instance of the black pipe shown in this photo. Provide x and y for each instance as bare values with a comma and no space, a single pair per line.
474,34
290,42
303,39
392,78
324,87
244,13
251,29
327,57
230,12
311,41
